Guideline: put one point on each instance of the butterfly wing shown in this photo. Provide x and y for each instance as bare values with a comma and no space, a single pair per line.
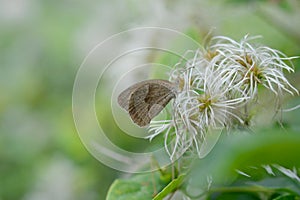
146,99
124,97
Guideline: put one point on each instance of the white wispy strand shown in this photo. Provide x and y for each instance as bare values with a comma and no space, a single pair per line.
215,85
258,65
292,173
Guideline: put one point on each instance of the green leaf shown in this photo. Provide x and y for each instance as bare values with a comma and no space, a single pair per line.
241,151
140,186
287,197
171,187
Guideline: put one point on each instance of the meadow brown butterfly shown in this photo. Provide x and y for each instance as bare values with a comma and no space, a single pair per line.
145,100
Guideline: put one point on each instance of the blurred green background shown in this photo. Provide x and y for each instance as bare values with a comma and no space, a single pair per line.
42,44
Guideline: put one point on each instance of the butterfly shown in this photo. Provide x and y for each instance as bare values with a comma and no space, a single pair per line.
145,100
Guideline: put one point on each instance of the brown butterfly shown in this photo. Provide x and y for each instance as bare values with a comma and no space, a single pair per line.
146,99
